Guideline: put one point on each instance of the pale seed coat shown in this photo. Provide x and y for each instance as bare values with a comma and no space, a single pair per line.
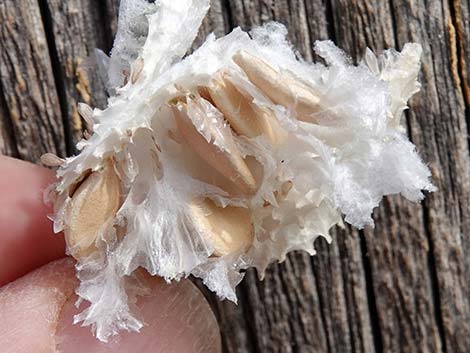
93,205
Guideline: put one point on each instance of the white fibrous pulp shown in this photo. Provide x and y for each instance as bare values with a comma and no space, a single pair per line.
227,158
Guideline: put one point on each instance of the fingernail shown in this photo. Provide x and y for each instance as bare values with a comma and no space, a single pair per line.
177,319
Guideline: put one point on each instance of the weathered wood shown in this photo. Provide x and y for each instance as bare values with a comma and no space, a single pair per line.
28,86
460,42
78,27
110,16
7,135
439,128
398,247
214,22
399,287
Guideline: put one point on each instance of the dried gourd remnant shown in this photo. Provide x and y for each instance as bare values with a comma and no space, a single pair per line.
227,158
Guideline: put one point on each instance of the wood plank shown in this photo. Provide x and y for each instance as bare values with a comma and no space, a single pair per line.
7,135
397,248
77,27
360,304
216,22
439,128
341,278
110,16
27,81
460,43
405,246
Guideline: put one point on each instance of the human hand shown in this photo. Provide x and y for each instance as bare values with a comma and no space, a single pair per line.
37,294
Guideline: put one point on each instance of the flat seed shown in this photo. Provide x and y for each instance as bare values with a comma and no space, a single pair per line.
235,107
281,194
264,116
228,229
281,87
93,204
211,140
136,69
86,112
86,135
244,116
51,160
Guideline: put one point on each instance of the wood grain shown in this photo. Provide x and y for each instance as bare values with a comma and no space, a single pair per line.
399,287
33,120
76,28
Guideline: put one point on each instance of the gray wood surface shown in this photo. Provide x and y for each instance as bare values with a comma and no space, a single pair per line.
399,287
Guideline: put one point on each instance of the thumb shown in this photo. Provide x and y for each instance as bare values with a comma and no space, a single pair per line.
37,312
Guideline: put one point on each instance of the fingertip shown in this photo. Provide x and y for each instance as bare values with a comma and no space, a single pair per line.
177,319
30,307
37,309
26,236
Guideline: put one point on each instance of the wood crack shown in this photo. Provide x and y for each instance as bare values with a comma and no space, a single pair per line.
434,280
371,302
459,56
228,18
106,14
322,304
59,78
394,24
330,22
247,315
8,143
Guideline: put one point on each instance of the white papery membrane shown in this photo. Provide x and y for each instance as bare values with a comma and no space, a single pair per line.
343,165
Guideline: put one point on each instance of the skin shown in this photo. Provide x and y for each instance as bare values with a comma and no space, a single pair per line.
38,284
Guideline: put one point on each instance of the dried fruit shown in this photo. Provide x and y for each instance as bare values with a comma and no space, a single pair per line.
227,159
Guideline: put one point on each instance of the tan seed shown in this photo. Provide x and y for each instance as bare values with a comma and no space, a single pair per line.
136,69
282,88
94,203
235,107
214,144
228,229
245,117
86,112
51,160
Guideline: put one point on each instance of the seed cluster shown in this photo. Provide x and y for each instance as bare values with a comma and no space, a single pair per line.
222,105
226,159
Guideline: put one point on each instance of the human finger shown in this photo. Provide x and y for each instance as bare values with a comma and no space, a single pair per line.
26,237
37,312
